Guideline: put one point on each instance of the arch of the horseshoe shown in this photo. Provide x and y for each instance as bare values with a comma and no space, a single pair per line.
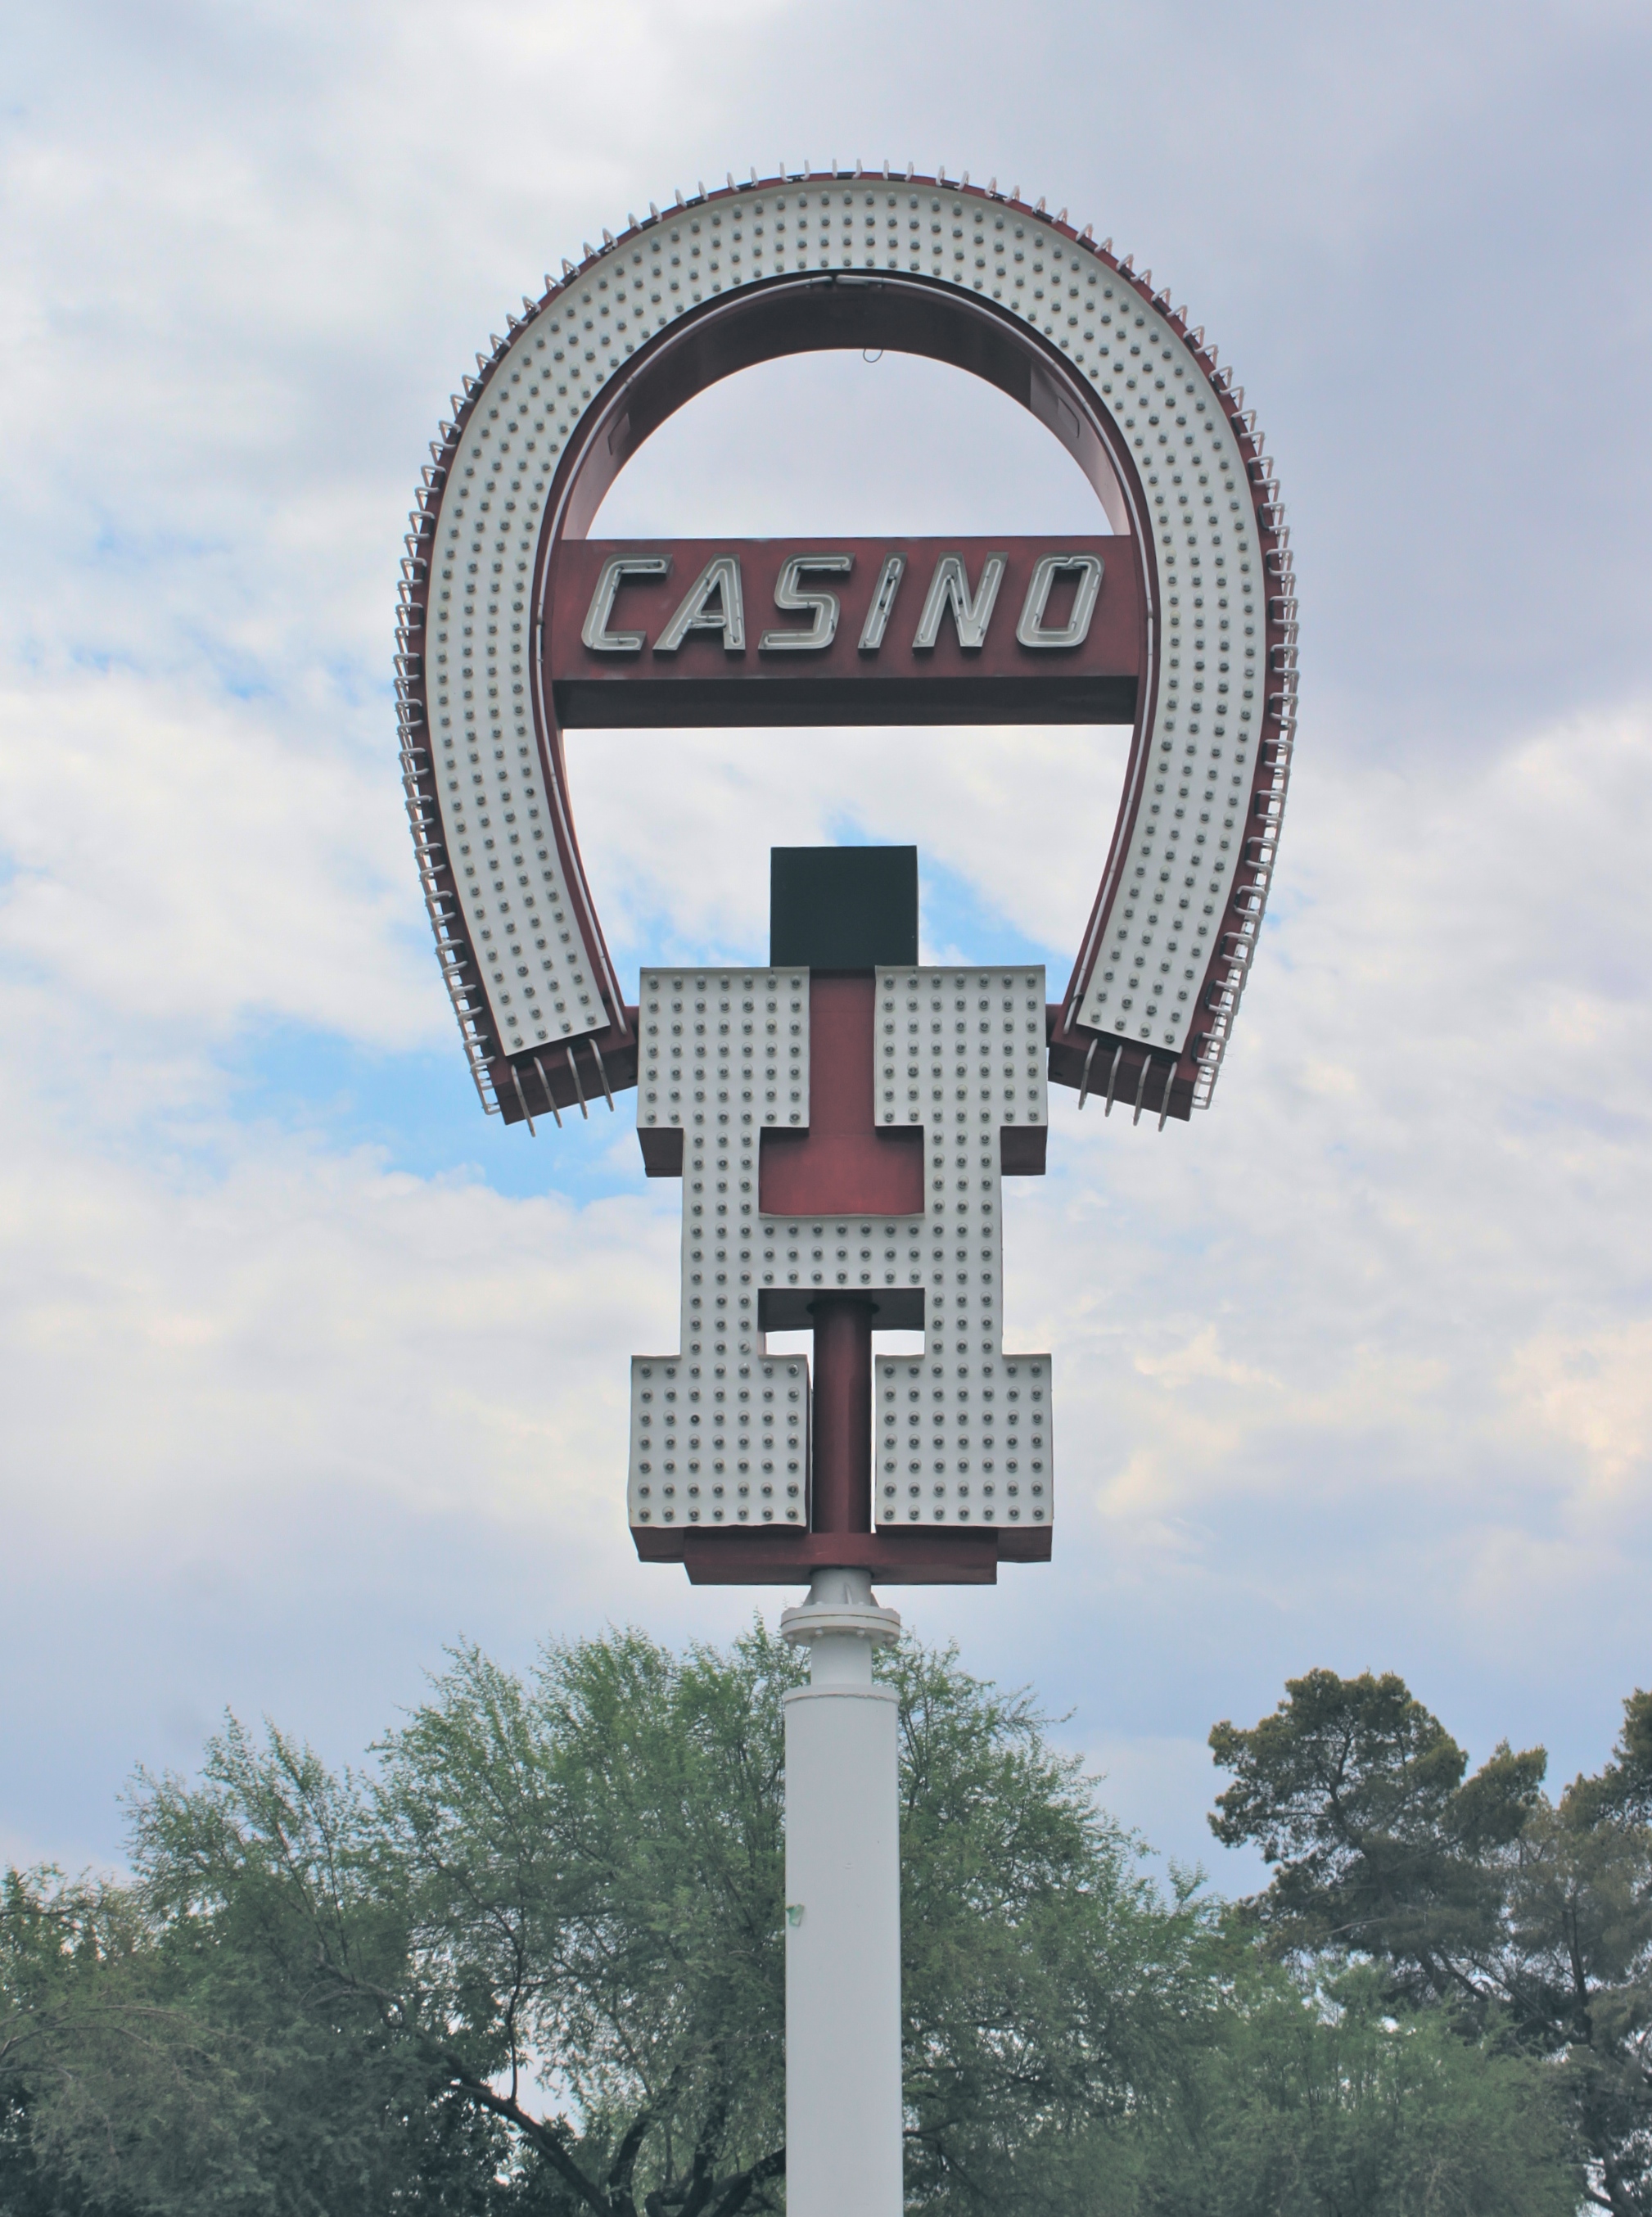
842,1117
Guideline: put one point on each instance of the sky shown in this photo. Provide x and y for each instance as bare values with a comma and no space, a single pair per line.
308,1369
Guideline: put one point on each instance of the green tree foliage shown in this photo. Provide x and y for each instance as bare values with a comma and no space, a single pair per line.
594,1864
1045,1984
532,1966
1315,2102
1519,1917
58,1943
184,2044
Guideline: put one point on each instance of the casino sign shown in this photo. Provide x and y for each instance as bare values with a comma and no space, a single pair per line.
842,1116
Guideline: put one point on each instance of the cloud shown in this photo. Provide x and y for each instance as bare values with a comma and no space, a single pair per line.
1409,1167
1594,1394
1348,1372
1294,1342
181,863
301,1322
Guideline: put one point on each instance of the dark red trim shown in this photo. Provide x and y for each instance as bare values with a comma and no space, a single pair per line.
845,1165
804,314
770,1557
840,1483
704,683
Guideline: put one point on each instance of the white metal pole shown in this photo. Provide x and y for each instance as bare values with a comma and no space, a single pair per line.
843,2118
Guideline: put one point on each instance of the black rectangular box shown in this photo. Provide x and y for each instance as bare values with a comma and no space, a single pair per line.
843,907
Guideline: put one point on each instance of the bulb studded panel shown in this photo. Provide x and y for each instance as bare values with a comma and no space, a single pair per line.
1156,935
719,1433
540,973
962,1434
724,1052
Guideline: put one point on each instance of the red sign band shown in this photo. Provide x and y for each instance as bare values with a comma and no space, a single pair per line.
844,630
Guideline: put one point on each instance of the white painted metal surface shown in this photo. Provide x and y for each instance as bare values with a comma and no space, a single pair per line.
963,1433
720,1432
843,2112
540,975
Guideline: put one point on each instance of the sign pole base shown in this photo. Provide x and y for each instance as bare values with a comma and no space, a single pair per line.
843,2113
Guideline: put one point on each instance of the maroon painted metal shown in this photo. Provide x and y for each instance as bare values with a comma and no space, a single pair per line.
841,1480
1104,1067
702,683
844,1165
766,1555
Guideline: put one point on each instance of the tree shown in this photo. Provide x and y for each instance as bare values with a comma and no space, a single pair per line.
1048,1990
1317,2102
1519,1918
533,1967
593,1868
1357,1794
537,1959
183,2046
56,1940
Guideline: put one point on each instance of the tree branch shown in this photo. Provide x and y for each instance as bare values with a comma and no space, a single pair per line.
702,2177
541,2136
738,2190
624,2165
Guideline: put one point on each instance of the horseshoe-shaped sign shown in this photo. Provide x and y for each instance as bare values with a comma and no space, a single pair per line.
1181,618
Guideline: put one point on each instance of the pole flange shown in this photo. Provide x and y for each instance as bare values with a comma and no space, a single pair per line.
841,1604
